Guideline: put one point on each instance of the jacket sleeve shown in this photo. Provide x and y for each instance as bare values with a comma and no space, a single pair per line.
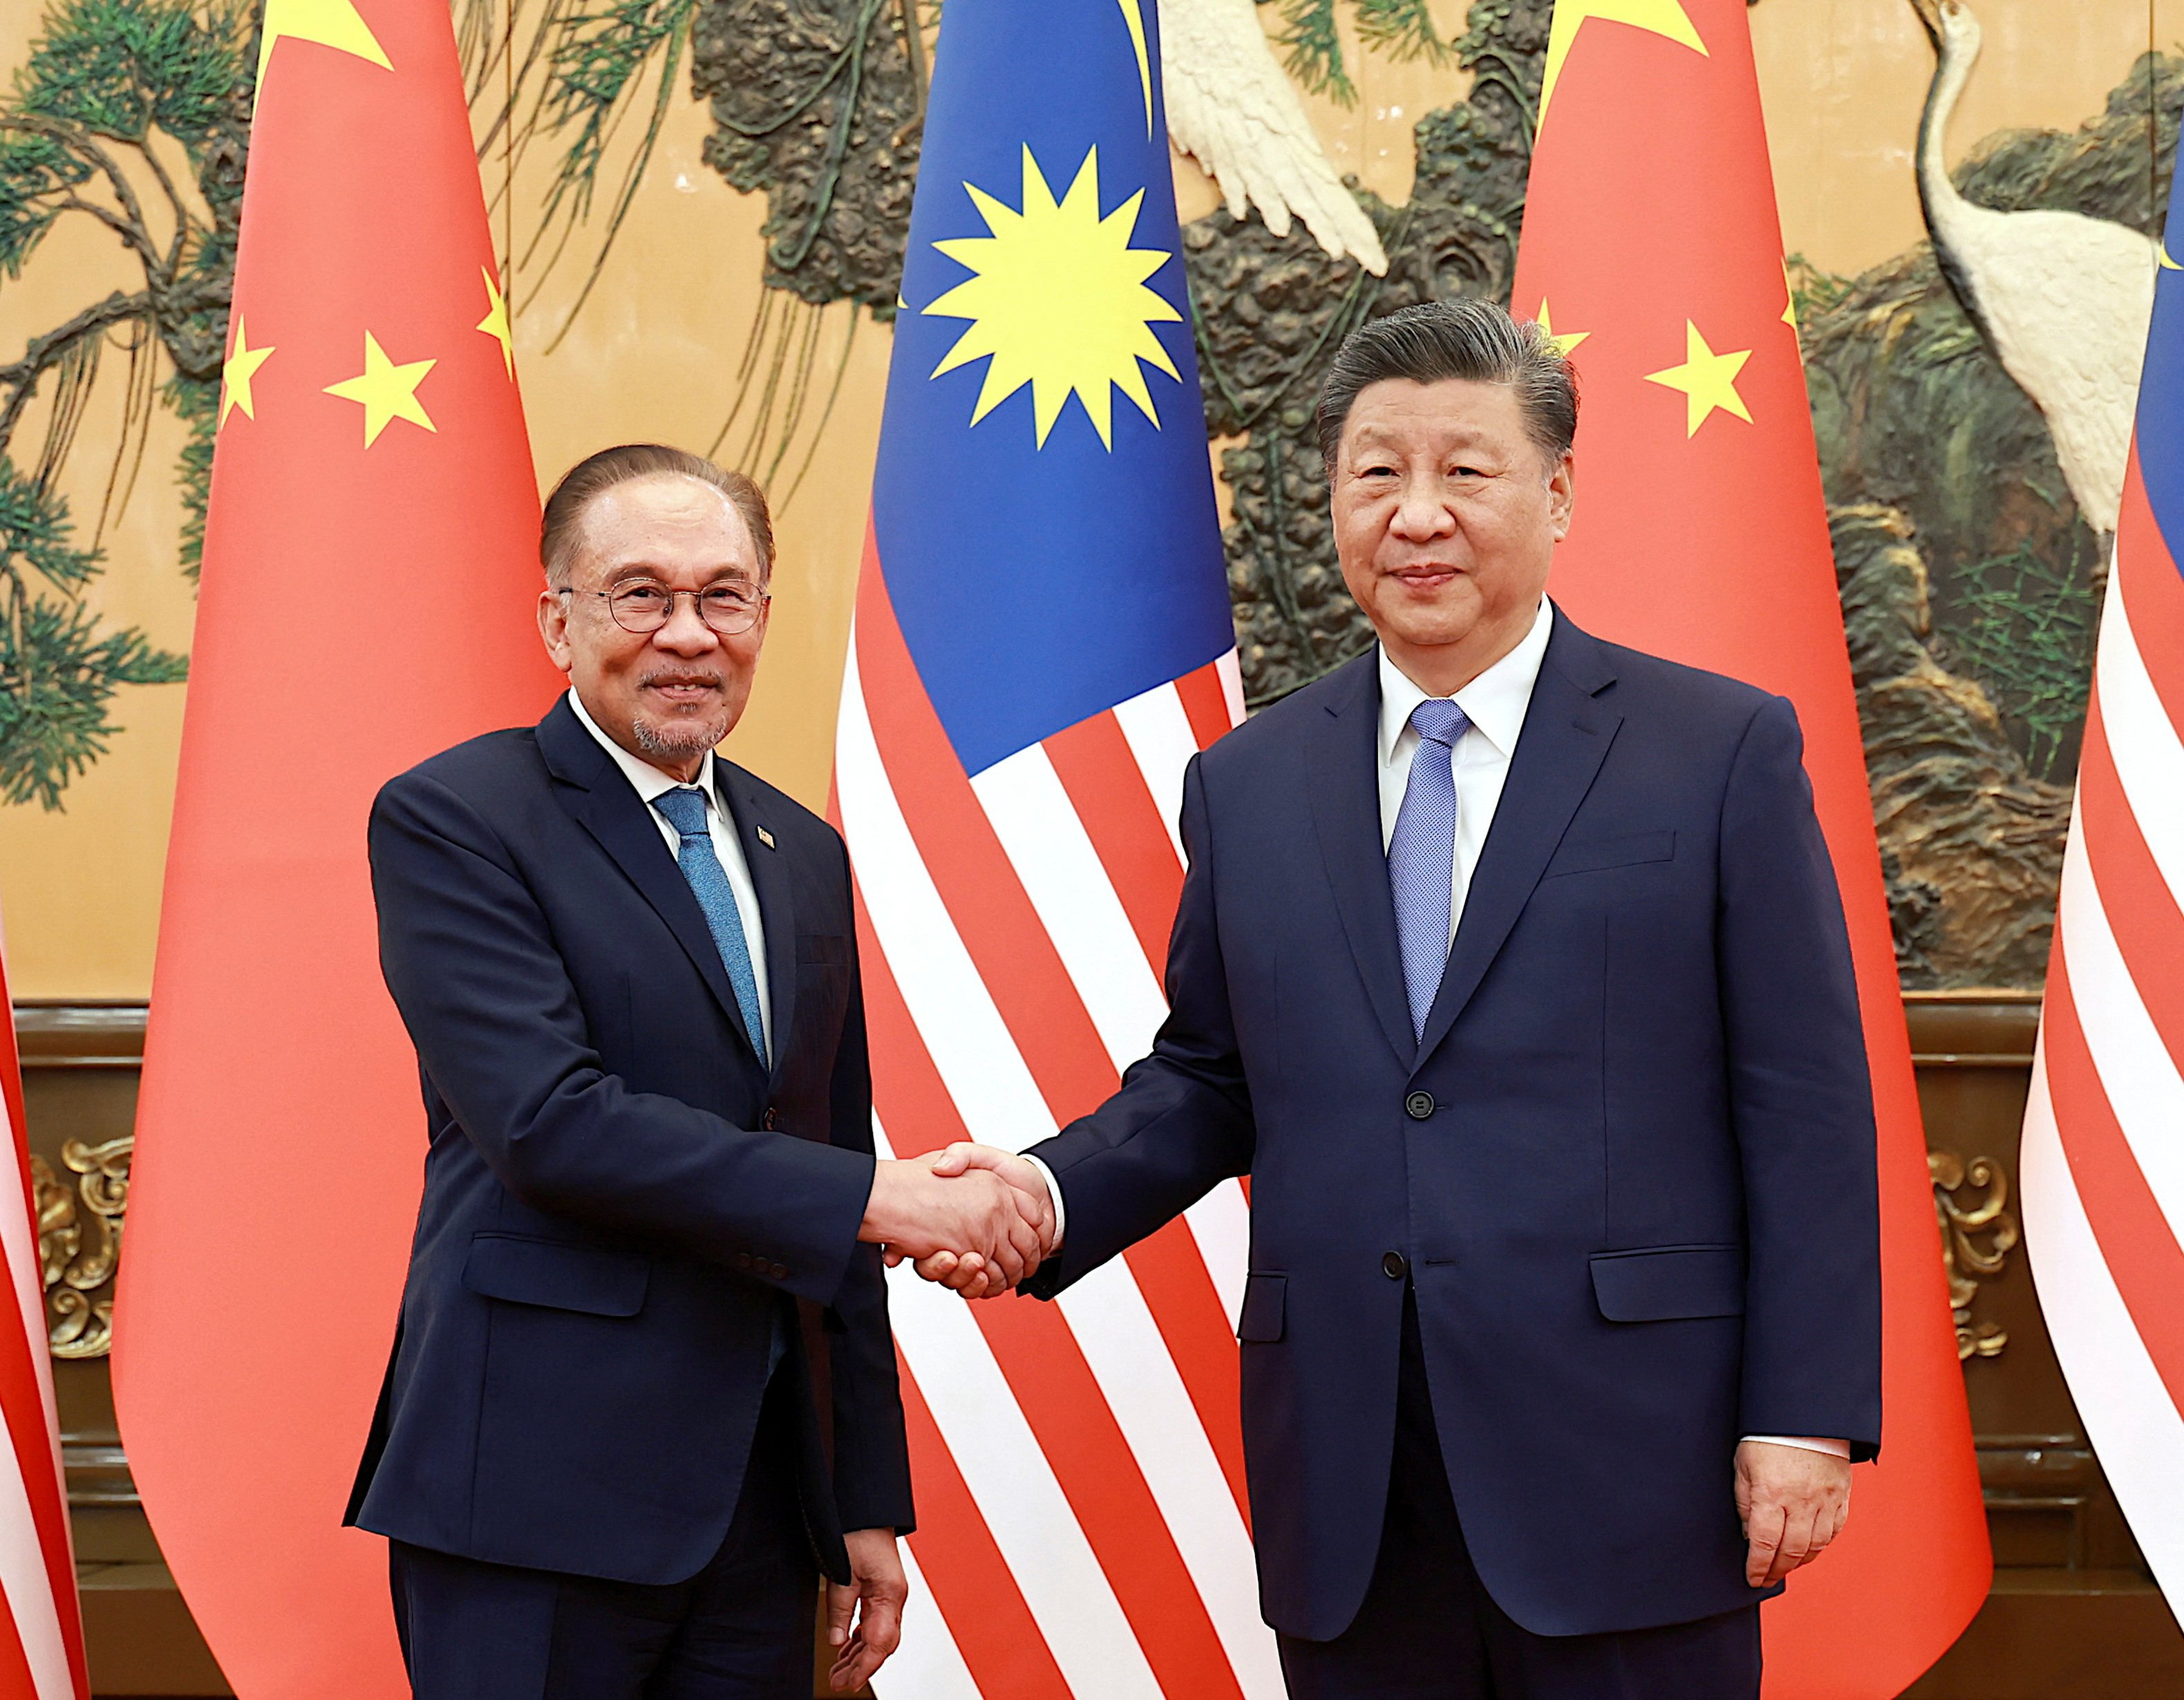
471,962
1801,1105
872,1453
1181,1119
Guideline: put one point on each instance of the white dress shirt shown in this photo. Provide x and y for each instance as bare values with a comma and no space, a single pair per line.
1495,703
651,784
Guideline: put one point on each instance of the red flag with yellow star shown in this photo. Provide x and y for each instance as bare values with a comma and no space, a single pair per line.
370,568
1652,248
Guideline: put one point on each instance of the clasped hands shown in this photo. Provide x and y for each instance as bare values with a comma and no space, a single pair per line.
974,1218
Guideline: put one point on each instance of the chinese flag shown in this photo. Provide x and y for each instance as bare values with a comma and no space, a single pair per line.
370,570
1652,249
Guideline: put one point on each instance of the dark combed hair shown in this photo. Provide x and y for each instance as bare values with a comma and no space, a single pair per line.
1476,341
561,529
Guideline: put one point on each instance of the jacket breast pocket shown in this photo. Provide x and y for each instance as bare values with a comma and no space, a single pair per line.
1665,1283
1265,1303
1595,855
524,1271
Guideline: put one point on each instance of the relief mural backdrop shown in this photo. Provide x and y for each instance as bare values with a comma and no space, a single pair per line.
703,204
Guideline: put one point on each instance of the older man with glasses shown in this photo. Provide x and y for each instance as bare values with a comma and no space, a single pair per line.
643,1388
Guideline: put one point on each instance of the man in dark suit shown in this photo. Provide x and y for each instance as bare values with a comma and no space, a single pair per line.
1511,967
642,1389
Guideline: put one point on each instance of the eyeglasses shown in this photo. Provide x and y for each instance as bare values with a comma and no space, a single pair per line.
642,607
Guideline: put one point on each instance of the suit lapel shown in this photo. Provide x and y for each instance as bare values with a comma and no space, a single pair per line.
777,900
1566,738
603,802
1344,767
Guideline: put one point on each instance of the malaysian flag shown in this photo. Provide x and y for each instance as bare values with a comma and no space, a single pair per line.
40,1633
1042,641
2102,1175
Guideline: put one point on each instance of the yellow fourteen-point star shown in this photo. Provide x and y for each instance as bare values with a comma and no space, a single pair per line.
1059,301
1707,379
495,323
235,374
387,392
1562,340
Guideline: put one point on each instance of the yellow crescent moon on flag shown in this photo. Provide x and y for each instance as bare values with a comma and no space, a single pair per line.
1134,15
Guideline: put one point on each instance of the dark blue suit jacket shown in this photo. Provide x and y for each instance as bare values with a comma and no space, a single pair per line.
619,1200
1630,1171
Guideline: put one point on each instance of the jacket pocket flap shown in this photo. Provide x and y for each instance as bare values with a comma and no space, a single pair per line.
1265,1302
1598,853
545,1272
1669,1281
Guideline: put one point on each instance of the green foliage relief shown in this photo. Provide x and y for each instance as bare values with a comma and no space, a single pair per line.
112,91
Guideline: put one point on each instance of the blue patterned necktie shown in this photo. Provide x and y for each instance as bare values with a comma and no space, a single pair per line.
1421,854
685,810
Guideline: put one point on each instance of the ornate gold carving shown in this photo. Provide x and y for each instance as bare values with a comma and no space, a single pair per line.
78,1242
1964,1223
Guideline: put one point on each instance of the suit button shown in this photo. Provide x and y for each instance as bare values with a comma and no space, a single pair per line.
772,1121
1394,1266
742,1260
1418,1105
779,1271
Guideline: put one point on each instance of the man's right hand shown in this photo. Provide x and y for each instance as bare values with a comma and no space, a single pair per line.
919,1214
966,1272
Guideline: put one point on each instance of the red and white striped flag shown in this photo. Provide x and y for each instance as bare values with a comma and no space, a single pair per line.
1042,642
1083,1527
2103,1161
42,1633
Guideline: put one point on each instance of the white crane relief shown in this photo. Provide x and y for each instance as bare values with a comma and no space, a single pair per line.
1233,108
2062,299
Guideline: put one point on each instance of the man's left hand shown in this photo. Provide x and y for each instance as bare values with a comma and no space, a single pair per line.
876,1589
1792,1503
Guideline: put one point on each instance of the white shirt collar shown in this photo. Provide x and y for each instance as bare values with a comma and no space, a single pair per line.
649,780
1494,703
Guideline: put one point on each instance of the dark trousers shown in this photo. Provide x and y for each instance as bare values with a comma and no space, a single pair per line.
741,1628
1429,1630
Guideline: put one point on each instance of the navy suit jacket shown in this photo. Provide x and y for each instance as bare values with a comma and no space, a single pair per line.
1629,1172
620,1201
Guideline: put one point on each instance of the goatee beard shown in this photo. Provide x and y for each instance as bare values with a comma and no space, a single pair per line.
680,741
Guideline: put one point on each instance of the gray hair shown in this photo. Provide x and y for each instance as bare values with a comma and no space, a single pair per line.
561,529
1476,341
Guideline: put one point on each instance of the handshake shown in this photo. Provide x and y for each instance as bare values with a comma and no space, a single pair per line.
975,1219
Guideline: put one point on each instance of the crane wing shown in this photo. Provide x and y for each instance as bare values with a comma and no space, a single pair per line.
2066,299
1232,107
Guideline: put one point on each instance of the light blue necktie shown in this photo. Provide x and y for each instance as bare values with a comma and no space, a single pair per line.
1421,854
685,810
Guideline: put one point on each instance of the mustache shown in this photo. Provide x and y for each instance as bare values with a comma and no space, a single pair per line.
681,676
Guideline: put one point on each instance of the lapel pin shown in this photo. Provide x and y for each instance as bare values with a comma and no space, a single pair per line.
765,838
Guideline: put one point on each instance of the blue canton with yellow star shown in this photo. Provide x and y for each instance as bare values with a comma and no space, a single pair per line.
1043,505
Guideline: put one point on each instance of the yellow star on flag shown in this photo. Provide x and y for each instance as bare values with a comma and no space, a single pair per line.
1662,17
1563,340
1707,379
235,374
495,323
334,23
387,392
1058,300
